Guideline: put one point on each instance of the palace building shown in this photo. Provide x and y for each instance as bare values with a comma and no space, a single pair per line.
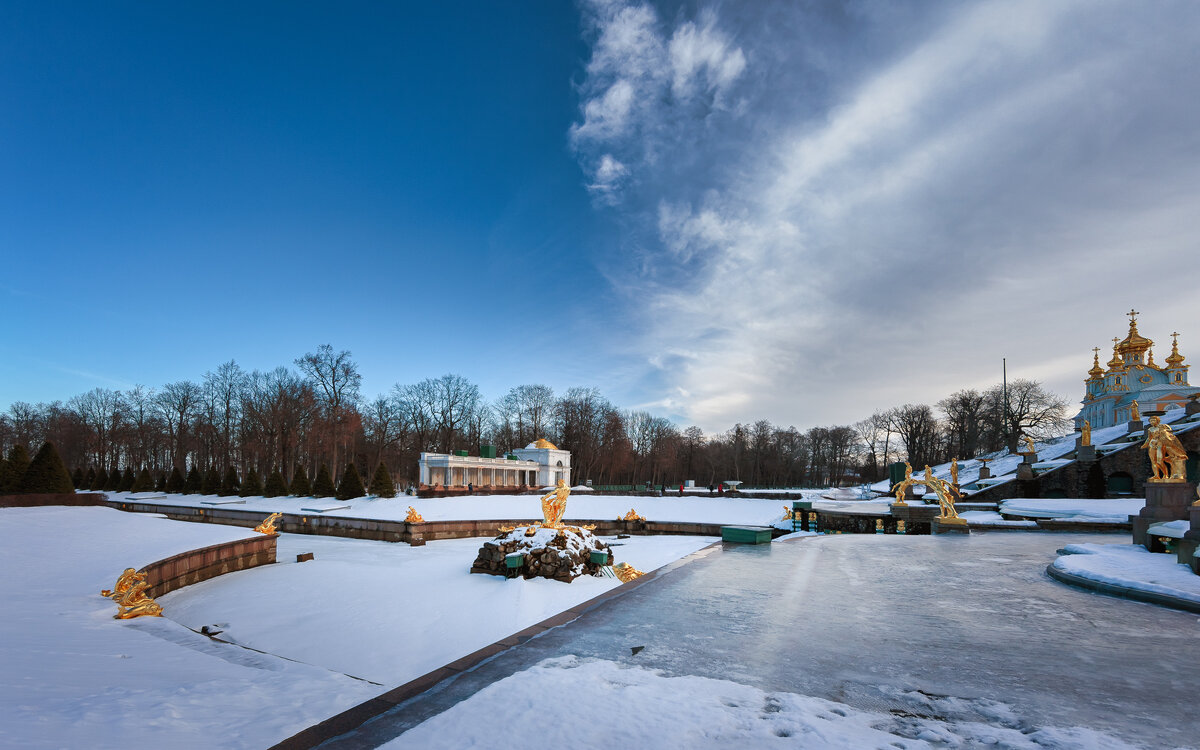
538,464
1132,375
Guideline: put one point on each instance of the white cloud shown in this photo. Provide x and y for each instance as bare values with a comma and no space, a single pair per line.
885,227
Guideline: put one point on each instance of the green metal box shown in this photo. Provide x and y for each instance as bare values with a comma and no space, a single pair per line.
487,451
460,453
514,560
746,534
598,557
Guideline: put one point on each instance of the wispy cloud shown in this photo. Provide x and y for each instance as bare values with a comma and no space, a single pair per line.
835,213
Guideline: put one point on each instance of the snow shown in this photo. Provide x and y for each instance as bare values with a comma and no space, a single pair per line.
74,677
1083,509
984,518
633,707
710,510
1131,566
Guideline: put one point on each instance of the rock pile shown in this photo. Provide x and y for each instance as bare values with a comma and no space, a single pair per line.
562,554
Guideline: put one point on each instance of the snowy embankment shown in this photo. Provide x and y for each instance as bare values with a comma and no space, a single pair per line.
1131,566
634,707
712,510
75,677
1102,510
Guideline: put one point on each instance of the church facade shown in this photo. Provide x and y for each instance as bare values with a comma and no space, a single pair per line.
1133,376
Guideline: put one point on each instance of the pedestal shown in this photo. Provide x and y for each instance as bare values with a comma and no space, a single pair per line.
949,526
1025,471
985,473
1135,425
1165,501
1194,531
1029,458
1086,453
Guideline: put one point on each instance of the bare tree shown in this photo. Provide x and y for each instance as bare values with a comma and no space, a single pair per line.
919,430
1029,409
336,381
177,403
966,416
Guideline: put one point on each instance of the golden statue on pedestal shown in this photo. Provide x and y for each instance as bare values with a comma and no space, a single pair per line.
1135,412
1168,457
954,472
1085,435
554,505
945,495
632,515
415,517
129,593
902,486
626,572
1029,449
268,524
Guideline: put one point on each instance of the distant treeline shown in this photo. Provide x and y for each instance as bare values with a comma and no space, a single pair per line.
243,426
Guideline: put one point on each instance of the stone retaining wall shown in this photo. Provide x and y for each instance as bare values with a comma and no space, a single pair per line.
194,566
66,498
415,534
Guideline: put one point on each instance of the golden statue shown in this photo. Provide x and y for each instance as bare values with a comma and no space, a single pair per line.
788,514
903,485
415,517
954,472
122,585
945,496
1168,457
1029,445
632,515
554,505
134,602
1085,435
1135,413
626,572
268,525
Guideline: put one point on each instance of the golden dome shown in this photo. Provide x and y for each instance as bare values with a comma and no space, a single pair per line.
1134,343
1116,363
544,444
1097,371
1176,359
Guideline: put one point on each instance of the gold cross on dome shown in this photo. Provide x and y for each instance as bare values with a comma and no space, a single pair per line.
1133,315
1175,337
1096,349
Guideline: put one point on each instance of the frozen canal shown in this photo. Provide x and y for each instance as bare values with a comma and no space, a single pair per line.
965,629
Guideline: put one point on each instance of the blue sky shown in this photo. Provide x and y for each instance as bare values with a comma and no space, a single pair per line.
717,211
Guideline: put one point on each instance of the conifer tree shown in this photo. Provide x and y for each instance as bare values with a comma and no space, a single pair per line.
128,480
212,482
160,484
144,482
18,462
300,486
114,480
100,481
323,485
230,484
382,484
351,485
90,479
175,483
252,487
47,473
194,482
5,472
77,477
275,486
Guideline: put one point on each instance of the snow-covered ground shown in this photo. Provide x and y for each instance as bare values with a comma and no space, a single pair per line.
717,509
1108,510
569,702
1131,566
72,676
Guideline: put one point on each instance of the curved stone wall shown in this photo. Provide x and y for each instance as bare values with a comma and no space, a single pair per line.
198,565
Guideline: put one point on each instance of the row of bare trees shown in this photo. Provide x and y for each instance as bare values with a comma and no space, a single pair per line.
313,414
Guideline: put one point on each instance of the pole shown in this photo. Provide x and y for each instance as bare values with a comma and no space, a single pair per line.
1004,386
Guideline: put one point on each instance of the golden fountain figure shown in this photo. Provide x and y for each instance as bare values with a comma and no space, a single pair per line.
1135,412
945,495
268,524
626,572
1029,445
1085,435
130,595
554,505
954,472
632,515
1168,457
903,485
414,517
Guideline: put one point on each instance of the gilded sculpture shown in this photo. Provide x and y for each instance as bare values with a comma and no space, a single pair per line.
632,515
945,495
954,472
414,517
1085,435
554,505
1168,457
902,486
268,524
626,572
1135,412
1029,445
129,593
